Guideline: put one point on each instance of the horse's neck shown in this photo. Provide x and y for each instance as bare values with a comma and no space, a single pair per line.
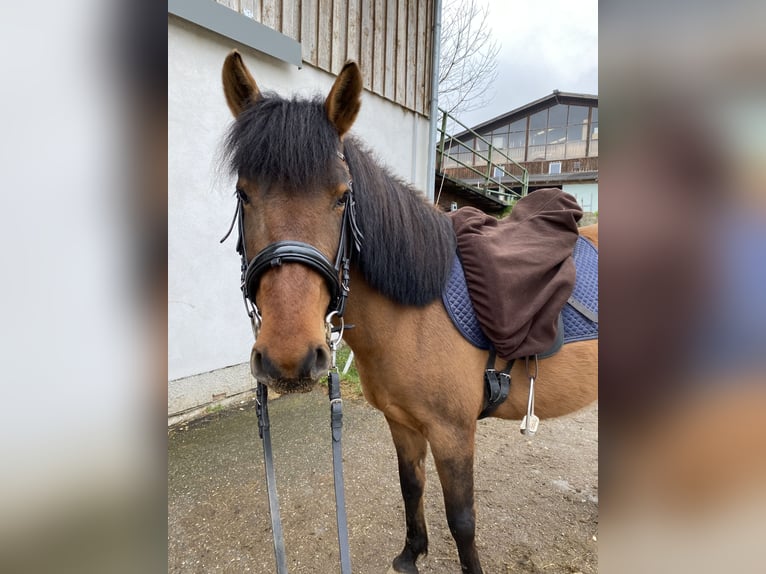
374,317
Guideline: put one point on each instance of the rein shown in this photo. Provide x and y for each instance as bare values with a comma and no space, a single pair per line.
337,275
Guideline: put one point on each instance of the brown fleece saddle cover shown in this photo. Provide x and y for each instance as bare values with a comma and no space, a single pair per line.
519,269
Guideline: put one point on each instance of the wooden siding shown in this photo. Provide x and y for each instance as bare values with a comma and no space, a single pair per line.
390,40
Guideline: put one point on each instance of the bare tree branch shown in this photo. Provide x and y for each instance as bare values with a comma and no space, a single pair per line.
468,58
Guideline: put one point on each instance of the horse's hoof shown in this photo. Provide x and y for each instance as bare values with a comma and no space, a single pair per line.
401,567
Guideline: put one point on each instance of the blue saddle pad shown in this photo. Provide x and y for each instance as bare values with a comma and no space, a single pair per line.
460,309
577,327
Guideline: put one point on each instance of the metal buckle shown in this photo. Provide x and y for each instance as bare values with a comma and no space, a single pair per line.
334,335
255,315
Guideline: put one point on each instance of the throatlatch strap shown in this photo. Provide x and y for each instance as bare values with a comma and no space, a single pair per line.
336,425
264,430
497,385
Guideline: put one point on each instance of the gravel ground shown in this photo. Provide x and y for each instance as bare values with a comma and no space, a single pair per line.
536,499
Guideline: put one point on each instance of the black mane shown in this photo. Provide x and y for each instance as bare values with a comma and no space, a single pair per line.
408,244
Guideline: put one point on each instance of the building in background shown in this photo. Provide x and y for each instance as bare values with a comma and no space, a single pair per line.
554,138
293,49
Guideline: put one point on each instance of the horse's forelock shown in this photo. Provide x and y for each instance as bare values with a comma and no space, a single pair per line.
287,142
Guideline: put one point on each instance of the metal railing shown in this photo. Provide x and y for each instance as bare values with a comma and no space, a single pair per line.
485,164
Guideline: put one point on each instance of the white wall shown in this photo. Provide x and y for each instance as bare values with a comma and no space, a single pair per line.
585,193
207,325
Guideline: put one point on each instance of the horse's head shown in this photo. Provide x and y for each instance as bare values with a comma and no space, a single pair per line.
293,185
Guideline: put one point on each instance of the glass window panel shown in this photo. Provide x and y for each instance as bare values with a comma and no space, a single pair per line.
577,133
481,144
556,135
557,115
538,121
536,152
578,115
575,149
554,151
593,151
498,141
519,125
594,116
537,137
594,132
516,154
517,139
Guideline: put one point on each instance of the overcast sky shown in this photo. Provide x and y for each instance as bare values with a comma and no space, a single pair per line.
544,46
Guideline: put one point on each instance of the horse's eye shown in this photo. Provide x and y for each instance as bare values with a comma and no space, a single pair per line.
342,200
242,196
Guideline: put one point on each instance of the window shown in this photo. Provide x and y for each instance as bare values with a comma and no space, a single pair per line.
537,137
538,121
575,149
554,167
536,153
557,115
463,154
556,135
593,152
577,132
518,125
578,115
517,139
594,124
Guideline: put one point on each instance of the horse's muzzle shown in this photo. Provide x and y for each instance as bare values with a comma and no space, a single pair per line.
297,378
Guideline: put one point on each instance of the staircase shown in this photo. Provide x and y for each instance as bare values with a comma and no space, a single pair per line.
486,177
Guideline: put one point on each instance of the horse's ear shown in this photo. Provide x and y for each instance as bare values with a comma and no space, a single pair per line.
238,85
344,100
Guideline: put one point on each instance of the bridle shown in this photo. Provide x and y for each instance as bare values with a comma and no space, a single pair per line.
337,276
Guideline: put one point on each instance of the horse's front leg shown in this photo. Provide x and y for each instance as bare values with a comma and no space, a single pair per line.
411,454
453,454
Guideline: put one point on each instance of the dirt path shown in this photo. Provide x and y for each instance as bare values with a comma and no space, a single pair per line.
536,499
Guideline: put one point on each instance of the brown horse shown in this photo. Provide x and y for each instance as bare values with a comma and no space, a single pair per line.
295,161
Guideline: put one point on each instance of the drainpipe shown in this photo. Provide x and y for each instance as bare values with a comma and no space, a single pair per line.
437,36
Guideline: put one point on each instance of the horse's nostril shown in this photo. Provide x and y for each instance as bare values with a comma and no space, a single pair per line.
316,363
256,363
322,361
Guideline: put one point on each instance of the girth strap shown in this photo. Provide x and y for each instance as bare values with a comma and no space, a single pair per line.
497,385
